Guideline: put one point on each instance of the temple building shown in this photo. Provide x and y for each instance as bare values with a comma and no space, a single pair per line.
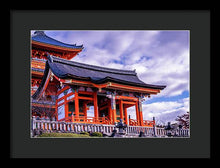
73,88
41,45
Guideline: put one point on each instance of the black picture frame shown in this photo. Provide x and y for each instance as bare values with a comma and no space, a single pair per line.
197,21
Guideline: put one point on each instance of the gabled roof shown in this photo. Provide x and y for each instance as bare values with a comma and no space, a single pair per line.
66,69
40,36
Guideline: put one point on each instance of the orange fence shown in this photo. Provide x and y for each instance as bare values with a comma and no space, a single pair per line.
146,123
133,122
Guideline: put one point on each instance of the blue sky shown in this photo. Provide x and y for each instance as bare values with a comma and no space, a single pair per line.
159,57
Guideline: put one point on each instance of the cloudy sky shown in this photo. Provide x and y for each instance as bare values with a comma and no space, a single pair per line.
159,57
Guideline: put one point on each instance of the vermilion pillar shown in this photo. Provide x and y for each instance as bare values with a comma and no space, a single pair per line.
121,109
110,111
141,119
113,108
126,115
85,109
96,114
66,108
137,113
140,112
76,104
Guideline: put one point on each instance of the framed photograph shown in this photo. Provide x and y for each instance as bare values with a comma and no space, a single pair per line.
121,83
80,84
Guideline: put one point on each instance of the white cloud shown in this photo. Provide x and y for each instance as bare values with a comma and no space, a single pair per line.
162,111
159,57
165,111
171,70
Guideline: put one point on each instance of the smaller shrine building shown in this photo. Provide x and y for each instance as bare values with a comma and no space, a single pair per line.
110,91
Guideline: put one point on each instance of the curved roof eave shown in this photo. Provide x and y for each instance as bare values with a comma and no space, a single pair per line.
41,37
64,70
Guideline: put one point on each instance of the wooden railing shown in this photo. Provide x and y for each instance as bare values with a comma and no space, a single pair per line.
88,120
146,123
133,122
63,126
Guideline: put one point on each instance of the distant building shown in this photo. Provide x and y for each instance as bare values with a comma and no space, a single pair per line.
41,45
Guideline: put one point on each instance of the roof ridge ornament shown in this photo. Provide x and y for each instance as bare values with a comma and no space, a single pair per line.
39,32
135,71
49,57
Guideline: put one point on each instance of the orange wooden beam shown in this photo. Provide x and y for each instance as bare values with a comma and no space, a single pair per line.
140,112
141,118
128,105
85,98
121,110
137,113
113,109
120,86
95,102
126,98
66,108
127,102
76,103
85,108
85,92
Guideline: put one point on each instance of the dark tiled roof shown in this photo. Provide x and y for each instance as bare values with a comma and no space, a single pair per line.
40,36
69,69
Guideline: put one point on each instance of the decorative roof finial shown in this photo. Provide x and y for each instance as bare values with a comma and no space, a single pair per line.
39,32
49,57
